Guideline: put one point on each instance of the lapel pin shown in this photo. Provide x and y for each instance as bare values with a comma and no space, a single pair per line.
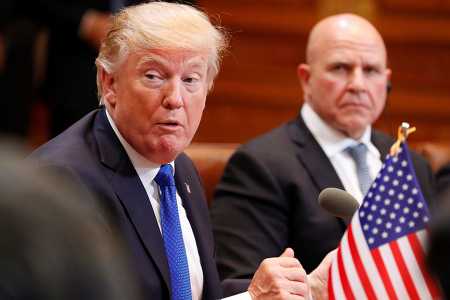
188,188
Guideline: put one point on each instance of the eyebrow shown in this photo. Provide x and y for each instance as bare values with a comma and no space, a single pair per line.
192,62
149,59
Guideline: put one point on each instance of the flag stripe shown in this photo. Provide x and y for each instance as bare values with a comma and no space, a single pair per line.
352,275
369,264
419,253
359,266
330,286
342,274
383,273
394,273
336,284
410,287
413,268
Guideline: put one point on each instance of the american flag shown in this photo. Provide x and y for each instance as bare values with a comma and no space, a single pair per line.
381,255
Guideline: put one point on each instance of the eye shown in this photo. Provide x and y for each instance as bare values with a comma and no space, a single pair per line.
370,70
153,76
191,79
340,67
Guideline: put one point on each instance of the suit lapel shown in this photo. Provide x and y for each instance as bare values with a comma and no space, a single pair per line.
313,157
131,193
382,143
192,196
315,160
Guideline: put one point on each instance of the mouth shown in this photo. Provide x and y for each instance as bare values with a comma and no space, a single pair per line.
169,125
355,105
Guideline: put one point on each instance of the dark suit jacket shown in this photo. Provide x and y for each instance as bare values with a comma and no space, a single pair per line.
267,200
90,151
439,242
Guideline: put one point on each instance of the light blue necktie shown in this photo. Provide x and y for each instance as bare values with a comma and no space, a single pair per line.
359,155
172,236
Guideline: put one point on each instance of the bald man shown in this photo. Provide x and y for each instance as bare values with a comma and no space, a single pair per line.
267,198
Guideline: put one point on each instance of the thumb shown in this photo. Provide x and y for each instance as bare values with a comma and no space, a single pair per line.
288,252
318,278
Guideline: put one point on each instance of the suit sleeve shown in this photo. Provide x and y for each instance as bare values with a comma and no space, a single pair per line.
426,179
443,180
249,215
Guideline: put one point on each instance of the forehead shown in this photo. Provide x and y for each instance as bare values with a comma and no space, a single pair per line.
168,58
347,50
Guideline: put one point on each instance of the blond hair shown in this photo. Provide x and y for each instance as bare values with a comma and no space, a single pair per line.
162,26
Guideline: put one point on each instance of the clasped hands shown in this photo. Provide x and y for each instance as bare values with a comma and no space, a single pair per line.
283,277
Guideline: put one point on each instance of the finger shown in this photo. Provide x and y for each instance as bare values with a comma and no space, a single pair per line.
294,274
325,264
284,296
288,252
329,257
285,262
296,297
295,288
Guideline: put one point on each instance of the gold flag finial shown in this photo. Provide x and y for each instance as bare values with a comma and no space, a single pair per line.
403,131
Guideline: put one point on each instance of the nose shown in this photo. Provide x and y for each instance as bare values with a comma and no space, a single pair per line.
173,98
357,81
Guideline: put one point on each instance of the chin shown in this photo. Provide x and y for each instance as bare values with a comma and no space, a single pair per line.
168,151
356,131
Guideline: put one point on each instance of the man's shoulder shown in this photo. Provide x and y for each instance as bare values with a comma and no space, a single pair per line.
276,148
381,137
274,138
386,141
70,146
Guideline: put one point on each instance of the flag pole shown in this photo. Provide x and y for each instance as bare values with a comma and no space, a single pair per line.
404,130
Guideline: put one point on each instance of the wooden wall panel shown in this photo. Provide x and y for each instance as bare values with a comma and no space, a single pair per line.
257,88
434,7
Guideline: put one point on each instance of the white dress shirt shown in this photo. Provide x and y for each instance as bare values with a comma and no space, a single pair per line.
334,143
147,171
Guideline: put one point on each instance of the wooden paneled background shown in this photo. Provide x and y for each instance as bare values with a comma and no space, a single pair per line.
257,88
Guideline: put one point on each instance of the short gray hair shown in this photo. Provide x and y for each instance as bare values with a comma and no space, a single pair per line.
161,25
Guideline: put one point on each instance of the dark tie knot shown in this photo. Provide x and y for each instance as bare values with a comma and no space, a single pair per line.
165,176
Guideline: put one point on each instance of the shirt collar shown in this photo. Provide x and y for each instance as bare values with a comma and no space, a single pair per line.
146,169
331,140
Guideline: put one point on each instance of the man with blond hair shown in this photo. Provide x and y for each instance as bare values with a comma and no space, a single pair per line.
268,194
154,71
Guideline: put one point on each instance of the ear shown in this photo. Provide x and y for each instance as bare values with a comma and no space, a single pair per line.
388,74
107,84
304,74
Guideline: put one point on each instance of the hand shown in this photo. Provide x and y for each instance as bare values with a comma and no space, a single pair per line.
94,27
318,279
280,278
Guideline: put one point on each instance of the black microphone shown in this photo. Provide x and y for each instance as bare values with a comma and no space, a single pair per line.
338,202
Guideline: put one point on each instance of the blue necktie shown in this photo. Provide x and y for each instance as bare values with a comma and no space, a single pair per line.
359,155
172,236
